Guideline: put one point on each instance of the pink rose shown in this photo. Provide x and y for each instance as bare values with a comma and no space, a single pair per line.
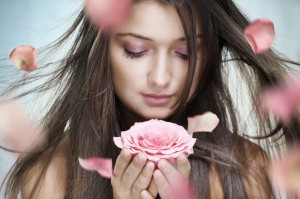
157,139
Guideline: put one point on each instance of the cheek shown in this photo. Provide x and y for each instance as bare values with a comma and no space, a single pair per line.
118,66
125,73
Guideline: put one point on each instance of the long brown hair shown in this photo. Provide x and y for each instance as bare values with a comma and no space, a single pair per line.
86,109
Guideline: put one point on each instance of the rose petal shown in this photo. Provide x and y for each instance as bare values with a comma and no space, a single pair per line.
24,57
282,100
102,165
183,189
118,142
278,102
206,122
107,13
285,174
293,88
260,35
16,129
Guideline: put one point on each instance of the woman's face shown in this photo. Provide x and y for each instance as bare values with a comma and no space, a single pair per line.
149,61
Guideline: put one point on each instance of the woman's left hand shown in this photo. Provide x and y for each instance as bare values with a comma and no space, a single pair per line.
167,177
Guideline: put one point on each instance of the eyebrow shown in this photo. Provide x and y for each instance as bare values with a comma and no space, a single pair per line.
146,38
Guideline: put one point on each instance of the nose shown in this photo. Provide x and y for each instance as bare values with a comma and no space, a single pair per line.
160,75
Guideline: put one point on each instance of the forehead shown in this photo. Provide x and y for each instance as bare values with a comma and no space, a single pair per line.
151,19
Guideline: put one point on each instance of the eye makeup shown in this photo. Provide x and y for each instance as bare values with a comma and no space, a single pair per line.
132,55
134,50
182,52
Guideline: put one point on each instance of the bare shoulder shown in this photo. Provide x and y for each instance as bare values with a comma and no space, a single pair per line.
52,184
255,177
253,172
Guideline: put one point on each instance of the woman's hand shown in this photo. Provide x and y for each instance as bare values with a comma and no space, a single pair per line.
167,178
132,175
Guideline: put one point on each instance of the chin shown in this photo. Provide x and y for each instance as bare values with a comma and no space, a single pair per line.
161,115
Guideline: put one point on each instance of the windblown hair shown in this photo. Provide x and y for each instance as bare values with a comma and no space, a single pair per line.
86,108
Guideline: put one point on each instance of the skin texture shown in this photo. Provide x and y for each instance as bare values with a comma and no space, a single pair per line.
159,65
53,185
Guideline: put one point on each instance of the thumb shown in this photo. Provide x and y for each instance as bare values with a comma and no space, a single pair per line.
146,195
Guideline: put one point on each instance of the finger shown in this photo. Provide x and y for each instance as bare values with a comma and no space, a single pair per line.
122,163
162,185
134,169
183,165
152,189
144,179
146,195
169,171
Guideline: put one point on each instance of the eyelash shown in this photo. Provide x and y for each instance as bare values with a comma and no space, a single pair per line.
184,57
132,55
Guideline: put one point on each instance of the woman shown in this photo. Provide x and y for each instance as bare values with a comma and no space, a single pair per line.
169,60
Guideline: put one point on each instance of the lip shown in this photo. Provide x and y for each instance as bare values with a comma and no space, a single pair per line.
157,99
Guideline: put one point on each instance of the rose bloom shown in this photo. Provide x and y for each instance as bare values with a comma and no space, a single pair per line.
157,139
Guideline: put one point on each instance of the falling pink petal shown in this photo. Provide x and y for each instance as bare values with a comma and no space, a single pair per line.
183,189
293,89
107,13
17,131
102,165
283,100
260,35
285,174
277,101
206,122
24,57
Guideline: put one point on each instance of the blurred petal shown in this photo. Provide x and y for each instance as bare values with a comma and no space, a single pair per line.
183,189
107,13
206,122
24,57
285,174
277,101
260,35
16,129
102,165
283,100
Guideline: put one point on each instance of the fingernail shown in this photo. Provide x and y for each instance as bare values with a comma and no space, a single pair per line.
182,158
140,157
143,194
157,174
149,166
162,164
126,153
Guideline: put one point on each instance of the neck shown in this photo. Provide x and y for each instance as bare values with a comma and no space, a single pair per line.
128,118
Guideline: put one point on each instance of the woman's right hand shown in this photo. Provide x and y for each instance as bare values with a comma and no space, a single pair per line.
132,175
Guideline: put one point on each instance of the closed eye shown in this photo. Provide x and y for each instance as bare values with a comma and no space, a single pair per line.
133,55
183,56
